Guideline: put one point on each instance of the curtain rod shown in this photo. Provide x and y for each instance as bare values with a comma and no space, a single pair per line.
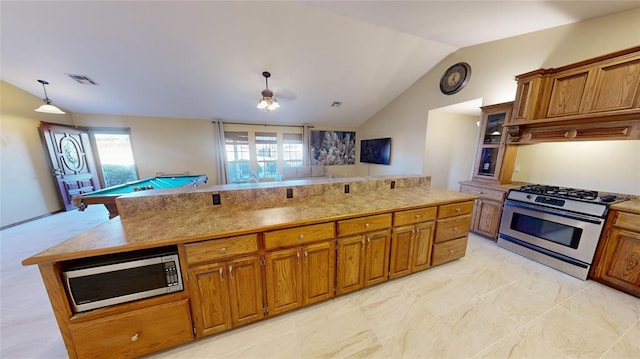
260,124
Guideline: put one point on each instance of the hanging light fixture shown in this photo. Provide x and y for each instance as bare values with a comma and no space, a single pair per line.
267,102
48,107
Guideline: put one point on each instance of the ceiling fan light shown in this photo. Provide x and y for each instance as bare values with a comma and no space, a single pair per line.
262,104
274,105
46,108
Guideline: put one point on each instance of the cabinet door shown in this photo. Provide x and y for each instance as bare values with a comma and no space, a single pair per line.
245,289
567,94
486,219
622,260
617,87
351,260
284,280
376,268
319,272
210,294
401,251
422,244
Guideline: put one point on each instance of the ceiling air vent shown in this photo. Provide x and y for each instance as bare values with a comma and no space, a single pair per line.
82,79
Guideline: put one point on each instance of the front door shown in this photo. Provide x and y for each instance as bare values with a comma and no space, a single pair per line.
72,162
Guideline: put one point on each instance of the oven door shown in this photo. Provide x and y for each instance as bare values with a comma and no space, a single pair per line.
569,234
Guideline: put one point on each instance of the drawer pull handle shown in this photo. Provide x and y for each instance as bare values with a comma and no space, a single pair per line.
362,243
418,216
230,272
220,270
479,192
306,256
368,242
366,225
223,250
301,236
457,209
450,251
134,338
298,255
455,229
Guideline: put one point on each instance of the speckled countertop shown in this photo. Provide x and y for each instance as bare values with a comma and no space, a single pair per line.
164,227
496,186
632,206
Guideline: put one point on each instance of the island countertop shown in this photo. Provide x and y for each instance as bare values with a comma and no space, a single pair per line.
166,227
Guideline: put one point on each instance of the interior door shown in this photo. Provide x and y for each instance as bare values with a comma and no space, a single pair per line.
72,163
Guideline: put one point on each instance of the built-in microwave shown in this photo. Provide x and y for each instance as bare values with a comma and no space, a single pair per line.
106,280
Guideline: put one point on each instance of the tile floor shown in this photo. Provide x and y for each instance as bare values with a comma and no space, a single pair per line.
490,304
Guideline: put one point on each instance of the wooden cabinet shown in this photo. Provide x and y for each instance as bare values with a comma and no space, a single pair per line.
302,274
411,243
134,333
602,88
617,260
226,294
494,157
487,210
452,230
226,288
363,260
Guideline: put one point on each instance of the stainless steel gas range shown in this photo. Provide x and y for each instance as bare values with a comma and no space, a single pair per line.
556,226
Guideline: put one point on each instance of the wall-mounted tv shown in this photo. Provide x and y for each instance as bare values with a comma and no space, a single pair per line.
376,150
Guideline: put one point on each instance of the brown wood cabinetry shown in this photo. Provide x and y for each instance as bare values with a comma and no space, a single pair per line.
487,210
411,241
302,274
133,333
452,230
617,260
226,289
584,97
494,157
363,260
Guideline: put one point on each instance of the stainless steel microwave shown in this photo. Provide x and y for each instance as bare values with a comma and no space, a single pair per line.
102,281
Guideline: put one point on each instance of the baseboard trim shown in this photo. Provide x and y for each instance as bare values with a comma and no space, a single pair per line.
30,220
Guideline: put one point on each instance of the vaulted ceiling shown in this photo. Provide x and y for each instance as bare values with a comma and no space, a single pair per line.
204,59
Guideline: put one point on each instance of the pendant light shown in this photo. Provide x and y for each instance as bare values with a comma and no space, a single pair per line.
48,107
267,102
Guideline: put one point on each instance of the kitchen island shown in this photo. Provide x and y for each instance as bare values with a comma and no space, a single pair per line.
248,253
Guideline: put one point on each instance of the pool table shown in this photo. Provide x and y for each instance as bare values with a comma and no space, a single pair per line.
107,196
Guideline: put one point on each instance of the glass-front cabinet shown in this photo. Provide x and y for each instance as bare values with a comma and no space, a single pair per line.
494,159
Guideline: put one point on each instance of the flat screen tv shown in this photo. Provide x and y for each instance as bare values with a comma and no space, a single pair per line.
376,151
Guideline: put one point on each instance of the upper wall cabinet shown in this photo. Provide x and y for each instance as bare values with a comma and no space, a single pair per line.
595,91
494,158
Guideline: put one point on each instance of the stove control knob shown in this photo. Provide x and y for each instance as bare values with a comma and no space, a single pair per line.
529,196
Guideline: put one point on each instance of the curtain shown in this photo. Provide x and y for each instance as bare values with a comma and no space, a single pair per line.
306,149
222,171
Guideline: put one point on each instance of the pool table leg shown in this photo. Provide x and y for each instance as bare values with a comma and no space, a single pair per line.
113,210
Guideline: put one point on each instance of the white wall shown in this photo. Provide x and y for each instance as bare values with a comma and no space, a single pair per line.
450,148
494,66
168,145
611,166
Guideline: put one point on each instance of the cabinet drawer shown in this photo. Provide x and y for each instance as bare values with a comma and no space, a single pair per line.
484,193
449,250
447,229
299,235
215,249
414,216
628,221
455,209
134,333
364,224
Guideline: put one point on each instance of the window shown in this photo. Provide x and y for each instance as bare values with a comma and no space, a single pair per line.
261,152
238,158
115,157
267,154
292,149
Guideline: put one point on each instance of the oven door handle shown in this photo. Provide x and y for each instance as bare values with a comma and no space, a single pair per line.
565,214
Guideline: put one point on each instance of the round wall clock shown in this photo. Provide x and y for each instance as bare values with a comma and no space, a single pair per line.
455,78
